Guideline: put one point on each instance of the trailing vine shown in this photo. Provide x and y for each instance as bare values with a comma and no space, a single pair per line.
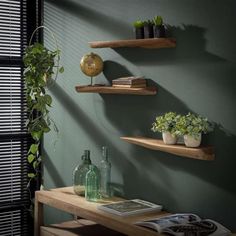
41,64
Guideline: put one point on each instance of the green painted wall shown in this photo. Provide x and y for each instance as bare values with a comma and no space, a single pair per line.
198,76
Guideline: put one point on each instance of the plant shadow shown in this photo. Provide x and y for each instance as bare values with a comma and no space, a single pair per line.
190,48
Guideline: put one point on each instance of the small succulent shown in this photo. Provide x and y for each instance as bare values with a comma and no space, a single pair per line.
157,20
138,24
148,22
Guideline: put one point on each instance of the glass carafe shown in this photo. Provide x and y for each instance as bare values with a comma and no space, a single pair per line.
79,174
92,189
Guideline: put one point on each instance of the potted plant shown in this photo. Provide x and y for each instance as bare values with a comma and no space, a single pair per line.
148,29
138,28
158,27
192,126
166,124
39,70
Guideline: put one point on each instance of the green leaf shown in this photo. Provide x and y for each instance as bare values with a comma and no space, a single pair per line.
138,24
61,69
35,164
44,126
48,99
31,175
46,129
36,135
34,148
30,158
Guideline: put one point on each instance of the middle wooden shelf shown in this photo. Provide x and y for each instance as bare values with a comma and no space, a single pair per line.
201,153
137,43
116,90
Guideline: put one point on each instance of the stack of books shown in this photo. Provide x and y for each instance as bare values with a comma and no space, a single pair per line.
130,82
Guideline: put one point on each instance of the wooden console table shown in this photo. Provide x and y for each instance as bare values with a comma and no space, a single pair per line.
65,200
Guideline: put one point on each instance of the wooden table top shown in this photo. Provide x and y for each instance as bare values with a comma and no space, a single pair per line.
65,199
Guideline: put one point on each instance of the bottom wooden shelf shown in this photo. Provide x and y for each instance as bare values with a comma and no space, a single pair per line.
81,227
201,153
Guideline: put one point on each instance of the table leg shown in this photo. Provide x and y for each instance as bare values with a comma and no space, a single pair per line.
38,216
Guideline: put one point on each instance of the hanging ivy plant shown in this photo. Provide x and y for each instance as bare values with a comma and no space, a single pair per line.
41,68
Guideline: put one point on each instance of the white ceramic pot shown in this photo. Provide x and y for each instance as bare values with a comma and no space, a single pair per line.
168,138
191,141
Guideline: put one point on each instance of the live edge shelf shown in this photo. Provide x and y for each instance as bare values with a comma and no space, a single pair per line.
116,90
201,153
142,43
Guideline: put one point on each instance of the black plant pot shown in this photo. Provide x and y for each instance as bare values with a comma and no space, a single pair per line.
139,33
159,31
148,31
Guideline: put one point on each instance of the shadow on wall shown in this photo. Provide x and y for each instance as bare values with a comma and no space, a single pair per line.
95,134
128,113
91,129
92,16
52,171
191,47
113,70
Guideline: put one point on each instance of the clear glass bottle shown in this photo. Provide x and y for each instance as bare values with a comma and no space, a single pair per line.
79,174
92,189
105,169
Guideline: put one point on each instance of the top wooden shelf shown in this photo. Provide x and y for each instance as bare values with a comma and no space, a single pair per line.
201,153
142,43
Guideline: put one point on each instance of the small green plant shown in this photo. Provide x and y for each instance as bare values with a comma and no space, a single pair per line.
148,22
157,20
39,68
166,123
193,125
138,24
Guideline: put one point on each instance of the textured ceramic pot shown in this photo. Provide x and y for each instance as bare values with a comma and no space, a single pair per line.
168,138
148,31
191,141
139,33
159,31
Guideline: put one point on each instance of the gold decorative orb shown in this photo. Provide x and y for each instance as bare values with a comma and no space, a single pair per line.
91,64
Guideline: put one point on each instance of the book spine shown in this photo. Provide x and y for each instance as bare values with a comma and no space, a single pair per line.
128,82
129,85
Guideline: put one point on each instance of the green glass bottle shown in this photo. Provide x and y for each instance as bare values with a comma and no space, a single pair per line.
105,169
79,174
92,186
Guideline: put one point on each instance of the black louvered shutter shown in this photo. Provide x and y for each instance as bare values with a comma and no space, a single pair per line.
15,27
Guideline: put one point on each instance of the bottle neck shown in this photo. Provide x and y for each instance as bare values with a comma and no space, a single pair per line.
86,157
87,161
105,153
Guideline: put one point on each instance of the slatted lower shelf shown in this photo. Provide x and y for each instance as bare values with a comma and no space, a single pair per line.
81,227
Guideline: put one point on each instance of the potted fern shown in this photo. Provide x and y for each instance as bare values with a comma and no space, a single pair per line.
192,126
166,124
41,68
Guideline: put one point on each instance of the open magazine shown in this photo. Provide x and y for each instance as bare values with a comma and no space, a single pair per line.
185,225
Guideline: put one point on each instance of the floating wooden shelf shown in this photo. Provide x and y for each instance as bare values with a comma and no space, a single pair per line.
142,43
201,153
116,90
